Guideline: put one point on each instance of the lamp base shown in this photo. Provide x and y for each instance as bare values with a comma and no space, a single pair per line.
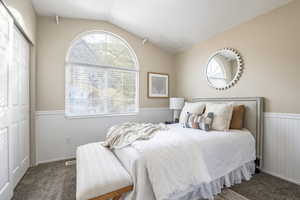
170,122
176,114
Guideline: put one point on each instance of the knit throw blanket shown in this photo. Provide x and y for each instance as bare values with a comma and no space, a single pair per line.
122,135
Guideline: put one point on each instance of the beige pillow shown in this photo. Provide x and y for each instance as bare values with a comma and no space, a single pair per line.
222,115
195,108
238,115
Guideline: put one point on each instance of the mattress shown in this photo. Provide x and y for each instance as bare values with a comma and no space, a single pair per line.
180,162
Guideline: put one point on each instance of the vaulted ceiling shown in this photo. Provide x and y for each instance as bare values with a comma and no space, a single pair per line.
174,25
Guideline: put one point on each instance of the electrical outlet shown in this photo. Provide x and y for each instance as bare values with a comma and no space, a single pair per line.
68,140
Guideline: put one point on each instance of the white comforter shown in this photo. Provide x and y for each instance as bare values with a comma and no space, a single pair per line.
175,162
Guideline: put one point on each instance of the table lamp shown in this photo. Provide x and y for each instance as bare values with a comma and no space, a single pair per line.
176,104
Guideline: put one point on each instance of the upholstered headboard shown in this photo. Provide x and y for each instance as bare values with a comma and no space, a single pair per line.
253,118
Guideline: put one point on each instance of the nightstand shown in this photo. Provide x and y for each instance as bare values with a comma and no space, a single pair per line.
170,122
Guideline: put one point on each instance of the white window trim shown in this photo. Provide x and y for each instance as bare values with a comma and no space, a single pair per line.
136,69
102,66
102,115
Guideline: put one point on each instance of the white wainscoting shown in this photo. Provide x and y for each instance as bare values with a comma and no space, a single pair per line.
282,146
57,137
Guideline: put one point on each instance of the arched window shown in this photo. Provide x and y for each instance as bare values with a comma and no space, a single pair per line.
101,76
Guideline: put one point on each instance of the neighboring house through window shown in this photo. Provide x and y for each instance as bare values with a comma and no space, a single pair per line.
101,76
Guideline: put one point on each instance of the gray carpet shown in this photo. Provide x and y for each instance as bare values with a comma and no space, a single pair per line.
52,181
55,181
228,194
266,187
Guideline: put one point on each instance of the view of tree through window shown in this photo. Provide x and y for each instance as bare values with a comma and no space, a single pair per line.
101,76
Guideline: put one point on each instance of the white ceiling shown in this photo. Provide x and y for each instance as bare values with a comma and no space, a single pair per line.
174,25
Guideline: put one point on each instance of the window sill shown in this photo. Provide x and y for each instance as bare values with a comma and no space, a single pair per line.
102,115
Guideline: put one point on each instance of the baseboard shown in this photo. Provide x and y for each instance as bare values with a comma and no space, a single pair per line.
279,176
55,160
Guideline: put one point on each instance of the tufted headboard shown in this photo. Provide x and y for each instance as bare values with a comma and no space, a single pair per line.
253,118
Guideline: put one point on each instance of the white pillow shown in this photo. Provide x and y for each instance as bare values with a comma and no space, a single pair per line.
222,115
195,108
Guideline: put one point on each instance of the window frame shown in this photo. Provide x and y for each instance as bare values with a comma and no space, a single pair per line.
135,69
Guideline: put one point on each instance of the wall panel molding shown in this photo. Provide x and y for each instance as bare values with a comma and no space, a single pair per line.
282,146
57,137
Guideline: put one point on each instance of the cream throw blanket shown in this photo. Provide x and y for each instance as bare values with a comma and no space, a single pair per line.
122,135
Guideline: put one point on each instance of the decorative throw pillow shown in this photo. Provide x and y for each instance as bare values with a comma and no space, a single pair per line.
237,119
199,121
196,108
222,115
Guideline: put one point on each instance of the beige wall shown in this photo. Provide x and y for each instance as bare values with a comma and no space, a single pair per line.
270,46
53,42
25,15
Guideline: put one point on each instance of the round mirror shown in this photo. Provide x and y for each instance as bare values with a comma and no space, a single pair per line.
224,69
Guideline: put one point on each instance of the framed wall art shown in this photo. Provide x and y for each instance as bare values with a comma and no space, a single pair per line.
158,85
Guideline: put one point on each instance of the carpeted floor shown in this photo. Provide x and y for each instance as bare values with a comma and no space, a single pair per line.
228,194
55,181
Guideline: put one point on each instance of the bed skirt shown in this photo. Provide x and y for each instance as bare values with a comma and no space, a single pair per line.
209,190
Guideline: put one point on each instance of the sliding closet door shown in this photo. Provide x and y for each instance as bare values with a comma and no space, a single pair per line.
19,105
5,52
14,105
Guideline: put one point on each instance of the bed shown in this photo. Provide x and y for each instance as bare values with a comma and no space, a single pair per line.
188,164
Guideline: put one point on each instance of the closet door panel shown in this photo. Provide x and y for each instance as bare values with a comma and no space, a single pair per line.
5,37
24,101
5,52
14,105
5,186
24,76
19,105
14,141
14,77
25,161
22,149
15,136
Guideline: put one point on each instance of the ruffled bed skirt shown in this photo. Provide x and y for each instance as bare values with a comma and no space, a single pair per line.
209,190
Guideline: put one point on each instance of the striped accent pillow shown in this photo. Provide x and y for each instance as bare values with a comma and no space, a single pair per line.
199,121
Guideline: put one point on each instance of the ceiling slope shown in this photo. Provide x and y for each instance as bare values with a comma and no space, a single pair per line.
174,25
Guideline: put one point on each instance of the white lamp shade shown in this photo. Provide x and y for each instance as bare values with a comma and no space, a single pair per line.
176,103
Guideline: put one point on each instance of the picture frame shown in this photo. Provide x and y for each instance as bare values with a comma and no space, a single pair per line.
158,85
